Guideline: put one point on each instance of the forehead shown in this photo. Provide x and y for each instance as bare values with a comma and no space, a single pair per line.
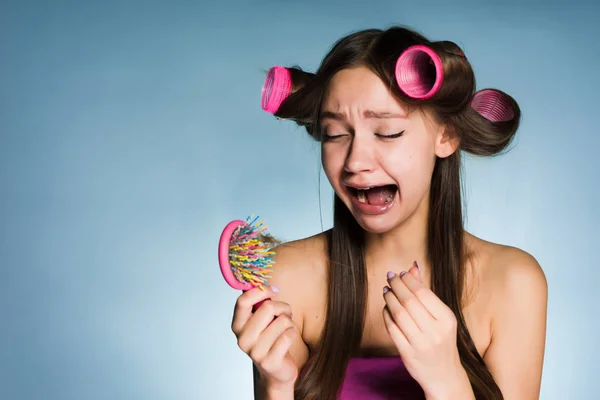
359,89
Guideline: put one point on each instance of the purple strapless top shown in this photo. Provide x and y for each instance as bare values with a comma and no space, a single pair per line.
379,378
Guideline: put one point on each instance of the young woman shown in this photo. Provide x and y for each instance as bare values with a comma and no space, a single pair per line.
397,300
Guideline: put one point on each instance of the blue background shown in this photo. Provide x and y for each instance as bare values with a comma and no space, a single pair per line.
131,133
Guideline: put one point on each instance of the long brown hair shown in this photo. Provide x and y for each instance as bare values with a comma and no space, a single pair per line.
347,278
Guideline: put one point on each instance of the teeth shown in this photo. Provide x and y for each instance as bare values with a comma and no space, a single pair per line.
362,196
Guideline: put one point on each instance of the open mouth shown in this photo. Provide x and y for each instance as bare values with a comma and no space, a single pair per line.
376,196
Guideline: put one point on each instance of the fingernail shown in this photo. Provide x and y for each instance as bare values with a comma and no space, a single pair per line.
390,275
401,274
291,316
275,289
386,289
418,267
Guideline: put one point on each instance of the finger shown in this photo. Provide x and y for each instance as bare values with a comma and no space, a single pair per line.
415,272
244,304
435,307
259,321
269,337
279,350
402,318
410,302
395,332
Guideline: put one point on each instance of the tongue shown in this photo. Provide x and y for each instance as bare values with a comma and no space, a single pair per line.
378,196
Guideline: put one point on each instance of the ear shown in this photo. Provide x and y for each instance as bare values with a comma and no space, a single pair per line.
446,142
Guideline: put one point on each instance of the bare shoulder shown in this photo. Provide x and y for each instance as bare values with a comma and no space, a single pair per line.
517,299
509,267
300,272
511,275
299,261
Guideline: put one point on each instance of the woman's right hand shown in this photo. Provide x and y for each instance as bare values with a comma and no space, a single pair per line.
266,335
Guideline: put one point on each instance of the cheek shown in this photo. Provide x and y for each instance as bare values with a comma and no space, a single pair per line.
332,162
412,167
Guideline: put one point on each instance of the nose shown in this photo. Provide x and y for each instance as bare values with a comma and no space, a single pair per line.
360,158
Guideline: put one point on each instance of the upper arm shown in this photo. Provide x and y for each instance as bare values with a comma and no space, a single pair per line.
286,276
516,351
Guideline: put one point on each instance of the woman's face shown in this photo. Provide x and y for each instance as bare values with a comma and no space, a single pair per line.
378,157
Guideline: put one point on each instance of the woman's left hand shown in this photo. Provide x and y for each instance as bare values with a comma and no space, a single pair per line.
423,329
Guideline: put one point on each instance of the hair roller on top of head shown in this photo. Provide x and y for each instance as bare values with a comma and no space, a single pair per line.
493,105
419,72
277,86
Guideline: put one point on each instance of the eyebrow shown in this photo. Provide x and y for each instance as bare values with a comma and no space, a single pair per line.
366,114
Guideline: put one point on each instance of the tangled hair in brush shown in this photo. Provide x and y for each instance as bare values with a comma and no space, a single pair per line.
485,121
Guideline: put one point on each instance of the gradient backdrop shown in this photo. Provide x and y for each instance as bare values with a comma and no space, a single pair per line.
131,133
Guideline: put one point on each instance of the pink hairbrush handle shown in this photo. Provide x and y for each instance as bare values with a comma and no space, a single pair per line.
255,307
224,264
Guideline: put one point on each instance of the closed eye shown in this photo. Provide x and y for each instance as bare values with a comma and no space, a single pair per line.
392,136
327,137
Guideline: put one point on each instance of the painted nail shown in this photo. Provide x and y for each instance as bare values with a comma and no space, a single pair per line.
386,289
390,275
418,267
291,316
275,289
401,274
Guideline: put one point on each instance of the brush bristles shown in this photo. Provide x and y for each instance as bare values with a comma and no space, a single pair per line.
250,253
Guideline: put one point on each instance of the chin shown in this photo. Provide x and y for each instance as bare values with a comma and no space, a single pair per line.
375,227
377,224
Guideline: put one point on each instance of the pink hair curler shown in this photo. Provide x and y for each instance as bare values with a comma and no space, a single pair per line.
245,254
493,105
419,72
277,87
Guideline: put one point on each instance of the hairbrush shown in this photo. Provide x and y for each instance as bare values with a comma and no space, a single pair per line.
246,254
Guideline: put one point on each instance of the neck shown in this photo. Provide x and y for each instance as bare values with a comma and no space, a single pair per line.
398,249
